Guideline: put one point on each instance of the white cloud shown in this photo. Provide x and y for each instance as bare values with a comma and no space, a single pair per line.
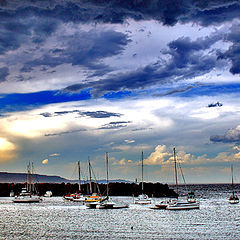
129,141
54,155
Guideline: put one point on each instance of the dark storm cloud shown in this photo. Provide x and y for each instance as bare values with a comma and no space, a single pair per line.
3,74
231,136
233,53
63,133
17,30
188,59
85,49
169,12
115,125
91,114
217,104
100,114
178,90
34,22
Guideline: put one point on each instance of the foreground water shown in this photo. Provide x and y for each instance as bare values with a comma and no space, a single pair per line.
55,218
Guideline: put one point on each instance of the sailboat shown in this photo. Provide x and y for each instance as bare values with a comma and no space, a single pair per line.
142,198
180,205
28,194
92,200
233,199
78,197
106,203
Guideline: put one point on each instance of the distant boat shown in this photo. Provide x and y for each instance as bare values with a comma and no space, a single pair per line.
29,193
191,198
48,194
233,199
181,205
142,199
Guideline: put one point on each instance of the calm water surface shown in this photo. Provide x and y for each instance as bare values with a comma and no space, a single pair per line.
55,218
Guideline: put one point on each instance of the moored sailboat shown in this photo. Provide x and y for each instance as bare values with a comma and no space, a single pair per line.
107,203
233,199
142,199
93,200
29,193
78,197
180,205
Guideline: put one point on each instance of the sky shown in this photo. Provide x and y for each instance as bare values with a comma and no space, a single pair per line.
81,78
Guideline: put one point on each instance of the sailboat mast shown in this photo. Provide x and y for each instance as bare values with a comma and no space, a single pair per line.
142,172
32,180
79,177
90,177
107,172
29,182
232,179
175,164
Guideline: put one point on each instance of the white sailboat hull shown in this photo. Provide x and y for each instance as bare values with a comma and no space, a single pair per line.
164,204
143,200
234,201
81,199
183,206
32,199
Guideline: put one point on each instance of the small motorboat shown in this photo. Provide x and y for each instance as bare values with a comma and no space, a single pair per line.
233,199
163,204
191,197
142,199
48,194
26,197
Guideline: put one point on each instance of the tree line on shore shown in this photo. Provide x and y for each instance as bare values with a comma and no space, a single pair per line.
115,189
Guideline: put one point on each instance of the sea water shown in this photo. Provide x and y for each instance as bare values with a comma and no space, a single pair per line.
55,218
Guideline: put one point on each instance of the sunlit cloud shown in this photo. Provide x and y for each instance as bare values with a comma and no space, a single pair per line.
7,150
164,156
45,161
120,162
132,148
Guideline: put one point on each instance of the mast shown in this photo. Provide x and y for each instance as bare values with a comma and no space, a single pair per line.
90,177
232,179
142,172
34,190
79,177
107,172
175,164
29,182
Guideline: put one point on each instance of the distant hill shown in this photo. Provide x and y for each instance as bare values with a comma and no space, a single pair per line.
6,177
